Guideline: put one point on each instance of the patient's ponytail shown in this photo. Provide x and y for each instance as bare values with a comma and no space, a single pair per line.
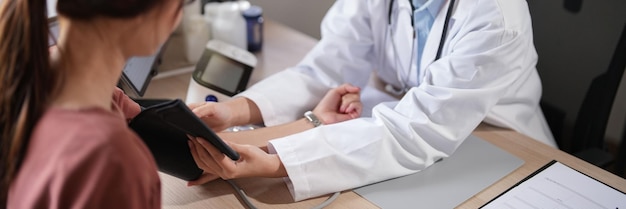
26,81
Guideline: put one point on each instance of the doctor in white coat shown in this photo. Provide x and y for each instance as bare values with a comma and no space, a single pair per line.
485,73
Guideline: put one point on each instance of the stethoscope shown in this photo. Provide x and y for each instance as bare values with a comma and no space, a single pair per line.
444,33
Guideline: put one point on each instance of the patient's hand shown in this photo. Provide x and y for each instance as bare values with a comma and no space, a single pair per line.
339,104
216,115
253,162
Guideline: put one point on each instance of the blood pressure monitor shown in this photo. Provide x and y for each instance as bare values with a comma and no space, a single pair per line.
222,71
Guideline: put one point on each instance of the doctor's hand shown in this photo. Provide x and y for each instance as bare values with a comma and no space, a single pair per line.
253,162
340,104
216,115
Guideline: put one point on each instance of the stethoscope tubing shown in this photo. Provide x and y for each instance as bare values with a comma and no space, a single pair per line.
444,34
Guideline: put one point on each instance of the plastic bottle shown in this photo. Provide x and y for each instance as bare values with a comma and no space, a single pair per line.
188,11
210,13
194,31
229,25
254,28
197,34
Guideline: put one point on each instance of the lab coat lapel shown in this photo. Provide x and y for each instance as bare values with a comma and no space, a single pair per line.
434,37
404,37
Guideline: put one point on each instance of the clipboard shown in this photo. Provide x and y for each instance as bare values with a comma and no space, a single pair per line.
165,127
556,185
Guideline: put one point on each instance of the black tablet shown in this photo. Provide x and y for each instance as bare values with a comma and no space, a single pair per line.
164,128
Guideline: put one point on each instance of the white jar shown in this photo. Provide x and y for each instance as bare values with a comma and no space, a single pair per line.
190,10
229,25
197,34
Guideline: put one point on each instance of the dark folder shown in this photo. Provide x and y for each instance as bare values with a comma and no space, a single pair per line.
165,127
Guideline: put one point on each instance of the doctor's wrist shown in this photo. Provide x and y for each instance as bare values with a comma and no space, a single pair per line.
313,119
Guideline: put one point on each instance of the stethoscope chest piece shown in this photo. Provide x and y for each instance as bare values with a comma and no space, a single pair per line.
394,90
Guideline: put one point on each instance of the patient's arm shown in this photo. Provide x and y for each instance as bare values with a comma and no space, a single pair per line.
234,112
338,105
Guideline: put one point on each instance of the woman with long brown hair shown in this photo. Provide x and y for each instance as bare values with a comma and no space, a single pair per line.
65,140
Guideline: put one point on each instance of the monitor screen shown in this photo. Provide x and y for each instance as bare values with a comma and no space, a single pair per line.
137,74
222,72
218,72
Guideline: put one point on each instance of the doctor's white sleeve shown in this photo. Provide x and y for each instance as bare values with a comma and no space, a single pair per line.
343,55
488,59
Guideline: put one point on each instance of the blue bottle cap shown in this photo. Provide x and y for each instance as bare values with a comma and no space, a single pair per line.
253,11
210,98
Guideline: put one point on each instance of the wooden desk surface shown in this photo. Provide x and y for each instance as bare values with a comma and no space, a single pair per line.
273,193
284,47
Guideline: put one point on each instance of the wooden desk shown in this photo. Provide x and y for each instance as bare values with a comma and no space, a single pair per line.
285,47
272,193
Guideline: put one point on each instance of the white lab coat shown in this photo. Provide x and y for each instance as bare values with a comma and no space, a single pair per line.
486,73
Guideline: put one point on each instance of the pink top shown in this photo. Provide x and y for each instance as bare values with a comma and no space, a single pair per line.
87,159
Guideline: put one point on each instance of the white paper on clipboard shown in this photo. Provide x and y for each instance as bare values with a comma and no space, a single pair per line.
559,186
